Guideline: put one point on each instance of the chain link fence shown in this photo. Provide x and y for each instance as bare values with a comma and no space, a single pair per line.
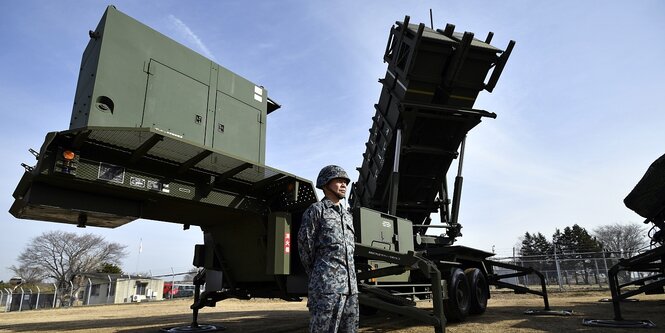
563,271
96,288
567,271
19,299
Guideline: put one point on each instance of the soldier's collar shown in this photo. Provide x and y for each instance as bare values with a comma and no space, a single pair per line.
328,203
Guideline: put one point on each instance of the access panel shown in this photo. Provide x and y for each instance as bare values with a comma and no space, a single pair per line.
237,129
175,103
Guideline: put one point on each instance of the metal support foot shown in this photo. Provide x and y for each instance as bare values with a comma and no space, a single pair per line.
194,327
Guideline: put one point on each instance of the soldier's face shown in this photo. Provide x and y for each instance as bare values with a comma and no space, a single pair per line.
338,187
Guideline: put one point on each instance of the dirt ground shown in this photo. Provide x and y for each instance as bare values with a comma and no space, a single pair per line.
505,314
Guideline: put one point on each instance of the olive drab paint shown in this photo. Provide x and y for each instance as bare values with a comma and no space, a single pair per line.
160,132
133,76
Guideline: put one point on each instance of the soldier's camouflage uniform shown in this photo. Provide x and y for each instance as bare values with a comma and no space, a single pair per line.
326,246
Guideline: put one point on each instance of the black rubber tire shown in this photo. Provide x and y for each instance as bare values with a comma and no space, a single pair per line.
479,290
367,310
456,307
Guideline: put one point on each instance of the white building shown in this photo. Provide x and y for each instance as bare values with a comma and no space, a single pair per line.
102,288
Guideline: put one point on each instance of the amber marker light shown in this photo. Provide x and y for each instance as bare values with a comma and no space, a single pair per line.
68,155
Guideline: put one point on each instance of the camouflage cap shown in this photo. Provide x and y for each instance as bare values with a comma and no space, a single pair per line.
329,173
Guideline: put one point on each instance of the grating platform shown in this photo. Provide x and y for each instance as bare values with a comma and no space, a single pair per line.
121,174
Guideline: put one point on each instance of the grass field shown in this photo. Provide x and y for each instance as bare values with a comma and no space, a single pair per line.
505,314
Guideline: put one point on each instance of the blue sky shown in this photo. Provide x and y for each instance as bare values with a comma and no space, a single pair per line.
579,118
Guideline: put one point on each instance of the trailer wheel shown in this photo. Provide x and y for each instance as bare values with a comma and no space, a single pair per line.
456,307
367,310
479,290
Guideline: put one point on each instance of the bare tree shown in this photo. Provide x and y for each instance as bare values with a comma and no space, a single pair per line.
29,274
64,255
628,238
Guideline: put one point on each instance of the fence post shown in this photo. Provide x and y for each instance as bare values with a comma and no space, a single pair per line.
9,296
71,294
607,272
55,295
39,291
108,290
20,304
87,302
558,269
30,299
597,273
9,299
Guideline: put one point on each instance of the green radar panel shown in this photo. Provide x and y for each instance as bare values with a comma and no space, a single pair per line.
134,77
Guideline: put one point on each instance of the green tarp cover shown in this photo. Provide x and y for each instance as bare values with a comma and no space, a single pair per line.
648,197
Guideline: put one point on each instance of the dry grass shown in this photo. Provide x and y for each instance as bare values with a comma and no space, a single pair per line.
504,314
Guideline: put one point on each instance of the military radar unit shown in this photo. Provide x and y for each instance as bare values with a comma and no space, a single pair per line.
160,132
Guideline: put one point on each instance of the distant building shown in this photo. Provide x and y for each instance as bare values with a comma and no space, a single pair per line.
102,288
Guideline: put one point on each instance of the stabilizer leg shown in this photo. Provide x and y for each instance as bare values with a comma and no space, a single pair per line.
195,327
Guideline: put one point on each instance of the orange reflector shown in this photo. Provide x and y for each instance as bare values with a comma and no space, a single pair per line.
68,155
287,243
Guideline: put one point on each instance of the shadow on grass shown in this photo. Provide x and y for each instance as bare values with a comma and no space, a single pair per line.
495,319
509,318
234,321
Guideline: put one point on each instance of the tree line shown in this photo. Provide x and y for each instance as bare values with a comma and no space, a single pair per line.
575,249
617,238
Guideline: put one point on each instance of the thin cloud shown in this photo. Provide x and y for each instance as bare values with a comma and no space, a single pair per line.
183,29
